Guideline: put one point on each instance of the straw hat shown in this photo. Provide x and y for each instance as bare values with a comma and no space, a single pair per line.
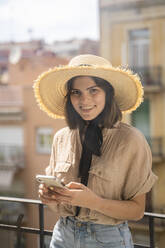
50,86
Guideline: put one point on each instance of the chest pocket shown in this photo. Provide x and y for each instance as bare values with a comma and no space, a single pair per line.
103,173
101,180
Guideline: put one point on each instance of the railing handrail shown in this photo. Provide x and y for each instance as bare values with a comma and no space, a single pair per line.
155,215
21,200
34,201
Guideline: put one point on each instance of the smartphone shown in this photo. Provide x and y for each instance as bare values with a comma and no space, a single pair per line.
50,181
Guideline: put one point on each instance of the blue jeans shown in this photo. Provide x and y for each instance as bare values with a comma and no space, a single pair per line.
71,233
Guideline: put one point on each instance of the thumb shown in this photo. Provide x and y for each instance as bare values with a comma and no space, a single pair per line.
75,185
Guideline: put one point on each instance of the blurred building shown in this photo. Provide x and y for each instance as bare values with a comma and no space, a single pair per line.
4,54
25,131
41,55
12,159
71,48
132,34
25,139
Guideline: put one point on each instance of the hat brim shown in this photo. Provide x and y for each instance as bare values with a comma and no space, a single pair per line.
50,87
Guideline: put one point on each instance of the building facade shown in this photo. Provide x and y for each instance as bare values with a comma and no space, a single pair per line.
132,34
26,132
26,135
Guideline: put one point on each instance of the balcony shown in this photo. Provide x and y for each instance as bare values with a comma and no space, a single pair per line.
11,159
157,147
11,156
11,103
19,229
151,77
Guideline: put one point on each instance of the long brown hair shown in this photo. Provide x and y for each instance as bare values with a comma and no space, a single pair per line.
107,118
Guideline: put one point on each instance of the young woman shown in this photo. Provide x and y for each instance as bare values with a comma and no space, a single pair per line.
104,163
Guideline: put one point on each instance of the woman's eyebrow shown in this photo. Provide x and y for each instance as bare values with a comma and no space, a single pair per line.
91,87
86,88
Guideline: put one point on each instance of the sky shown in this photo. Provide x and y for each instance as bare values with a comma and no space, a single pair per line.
23,20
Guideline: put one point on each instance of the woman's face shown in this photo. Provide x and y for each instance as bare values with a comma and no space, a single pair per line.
87,98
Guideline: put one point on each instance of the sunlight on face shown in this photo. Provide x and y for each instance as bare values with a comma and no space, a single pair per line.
87,98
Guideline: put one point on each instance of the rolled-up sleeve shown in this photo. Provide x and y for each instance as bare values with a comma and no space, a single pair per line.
139,177
50,168
50,171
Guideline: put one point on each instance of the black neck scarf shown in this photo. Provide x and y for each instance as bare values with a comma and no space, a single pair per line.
92,143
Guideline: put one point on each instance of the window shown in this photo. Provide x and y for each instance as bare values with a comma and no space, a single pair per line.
44,139
139,41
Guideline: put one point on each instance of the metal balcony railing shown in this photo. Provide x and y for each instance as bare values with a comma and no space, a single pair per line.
156,144
11,156
150,76
42,232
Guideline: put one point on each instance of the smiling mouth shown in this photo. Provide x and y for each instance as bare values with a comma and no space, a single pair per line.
86,108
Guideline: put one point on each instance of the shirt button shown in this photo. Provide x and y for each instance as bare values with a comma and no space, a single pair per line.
99,172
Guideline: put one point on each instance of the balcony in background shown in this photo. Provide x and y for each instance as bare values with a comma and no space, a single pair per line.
11,159
11,156
151,77
11,103
157,146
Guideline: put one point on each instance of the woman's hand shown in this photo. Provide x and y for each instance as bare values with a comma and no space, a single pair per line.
77,194
47,194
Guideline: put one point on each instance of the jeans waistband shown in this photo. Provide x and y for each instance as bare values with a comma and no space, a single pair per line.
74,221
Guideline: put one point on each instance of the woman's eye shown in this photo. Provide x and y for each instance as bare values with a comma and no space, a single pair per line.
93,90
75,92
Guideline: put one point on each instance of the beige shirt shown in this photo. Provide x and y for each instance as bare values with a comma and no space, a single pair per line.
122,172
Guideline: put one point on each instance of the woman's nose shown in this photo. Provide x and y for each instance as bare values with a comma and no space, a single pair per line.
85,98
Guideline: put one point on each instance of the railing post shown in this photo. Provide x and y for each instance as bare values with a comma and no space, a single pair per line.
41,224
19,222
151,232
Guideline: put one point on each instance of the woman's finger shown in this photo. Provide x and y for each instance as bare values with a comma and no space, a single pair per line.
64,199
43,187
62,192
75,185
46,198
